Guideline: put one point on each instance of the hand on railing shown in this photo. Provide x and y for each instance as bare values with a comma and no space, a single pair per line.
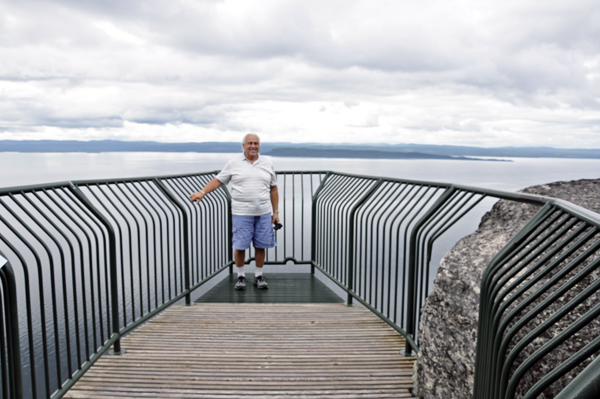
210,186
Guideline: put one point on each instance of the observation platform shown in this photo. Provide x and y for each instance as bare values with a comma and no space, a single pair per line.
283,288
295,340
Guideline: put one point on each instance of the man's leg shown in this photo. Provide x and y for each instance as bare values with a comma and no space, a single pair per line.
259,259
239,255
264,237
242,236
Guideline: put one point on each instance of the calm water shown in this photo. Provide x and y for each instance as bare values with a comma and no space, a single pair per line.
18,169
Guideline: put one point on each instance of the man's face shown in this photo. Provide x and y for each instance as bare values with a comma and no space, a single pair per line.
251,146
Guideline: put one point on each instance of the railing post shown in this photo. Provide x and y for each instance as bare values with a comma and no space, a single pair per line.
229,232
313,224
112,249
13,346
411,328
186,238
351,229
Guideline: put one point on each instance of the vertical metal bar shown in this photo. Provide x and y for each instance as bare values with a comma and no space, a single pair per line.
328,219
63,279
139,239
284,215
186,244
419,195
501,339
157,256
511,385
53,298
387,241
118,225
143,215
112,252
166,254
13,346
63,266
6,380
80,221
179,187
131,257
350,273
346,211
412,264
392,314
400,260
419,202
313,223
293,216
372,239
483,386
382,205
302,217
28,316
164,249
123,235
533,244
423,283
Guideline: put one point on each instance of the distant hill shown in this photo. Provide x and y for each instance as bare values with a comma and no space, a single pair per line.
389,151
344,153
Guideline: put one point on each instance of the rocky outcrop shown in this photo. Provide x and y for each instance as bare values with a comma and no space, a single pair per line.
448,328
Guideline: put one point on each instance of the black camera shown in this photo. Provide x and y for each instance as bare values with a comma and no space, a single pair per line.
277,226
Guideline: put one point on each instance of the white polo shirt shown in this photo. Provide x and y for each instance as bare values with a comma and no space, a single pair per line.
250,184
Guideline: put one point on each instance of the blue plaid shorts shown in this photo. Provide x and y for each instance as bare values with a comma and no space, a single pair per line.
253,229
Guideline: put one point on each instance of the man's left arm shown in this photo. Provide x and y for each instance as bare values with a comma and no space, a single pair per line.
275,204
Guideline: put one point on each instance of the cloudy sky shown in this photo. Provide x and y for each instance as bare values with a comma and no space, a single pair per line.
484,73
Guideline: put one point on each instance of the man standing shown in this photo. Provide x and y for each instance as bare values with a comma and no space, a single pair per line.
253,195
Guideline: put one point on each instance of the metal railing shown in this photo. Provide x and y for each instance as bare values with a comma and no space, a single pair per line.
95,259
539,312
296,192
375,239
10,357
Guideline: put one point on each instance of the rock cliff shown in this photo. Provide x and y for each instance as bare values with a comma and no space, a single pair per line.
448,328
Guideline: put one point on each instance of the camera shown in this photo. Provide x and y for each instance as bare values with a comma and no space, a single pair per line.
277,226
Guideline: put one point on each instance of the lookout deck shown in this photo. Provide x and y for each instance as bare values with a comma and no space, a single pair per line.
250,349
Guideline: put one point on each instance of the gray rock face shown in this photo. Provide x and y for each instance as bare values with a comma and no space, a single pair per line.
448,328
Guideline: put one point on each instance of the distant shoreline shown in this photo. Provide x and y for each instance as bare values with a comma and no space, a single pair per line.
306,150
366,154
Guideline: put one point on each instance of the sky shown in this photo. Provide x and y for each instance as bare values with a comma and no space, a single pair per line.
457,72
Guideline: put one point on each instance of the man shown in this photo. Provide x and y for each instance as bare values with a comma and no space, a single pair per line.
253,195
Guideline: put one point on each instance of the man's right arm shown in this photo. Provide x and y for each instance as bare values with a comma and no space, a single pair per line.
210,186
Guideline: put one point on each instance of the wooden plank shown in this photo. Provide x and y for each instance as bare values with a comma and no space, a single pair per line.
214,350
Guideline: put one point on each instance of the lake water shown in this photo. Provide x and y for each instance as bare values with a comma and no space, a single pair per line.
18,169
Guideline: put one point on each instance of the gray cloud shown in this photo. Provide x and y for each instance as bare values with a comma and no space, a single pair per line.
214,68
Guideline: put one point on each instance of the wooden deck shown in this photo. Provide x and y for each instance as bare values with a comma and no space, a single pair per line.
241,350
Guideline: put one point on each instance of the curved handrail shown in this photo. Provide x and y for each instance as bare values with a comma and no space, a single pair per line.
10,353
131,247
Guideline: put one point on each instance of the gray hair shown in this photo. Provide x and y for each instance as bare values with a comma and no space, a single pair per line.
248,134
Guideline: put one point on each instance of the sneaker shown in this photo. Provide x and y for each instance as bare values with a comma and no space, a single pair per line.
261,282
240,284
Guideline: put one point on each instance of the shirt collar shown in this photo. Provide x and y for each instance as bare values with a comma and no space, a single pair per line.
247,160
